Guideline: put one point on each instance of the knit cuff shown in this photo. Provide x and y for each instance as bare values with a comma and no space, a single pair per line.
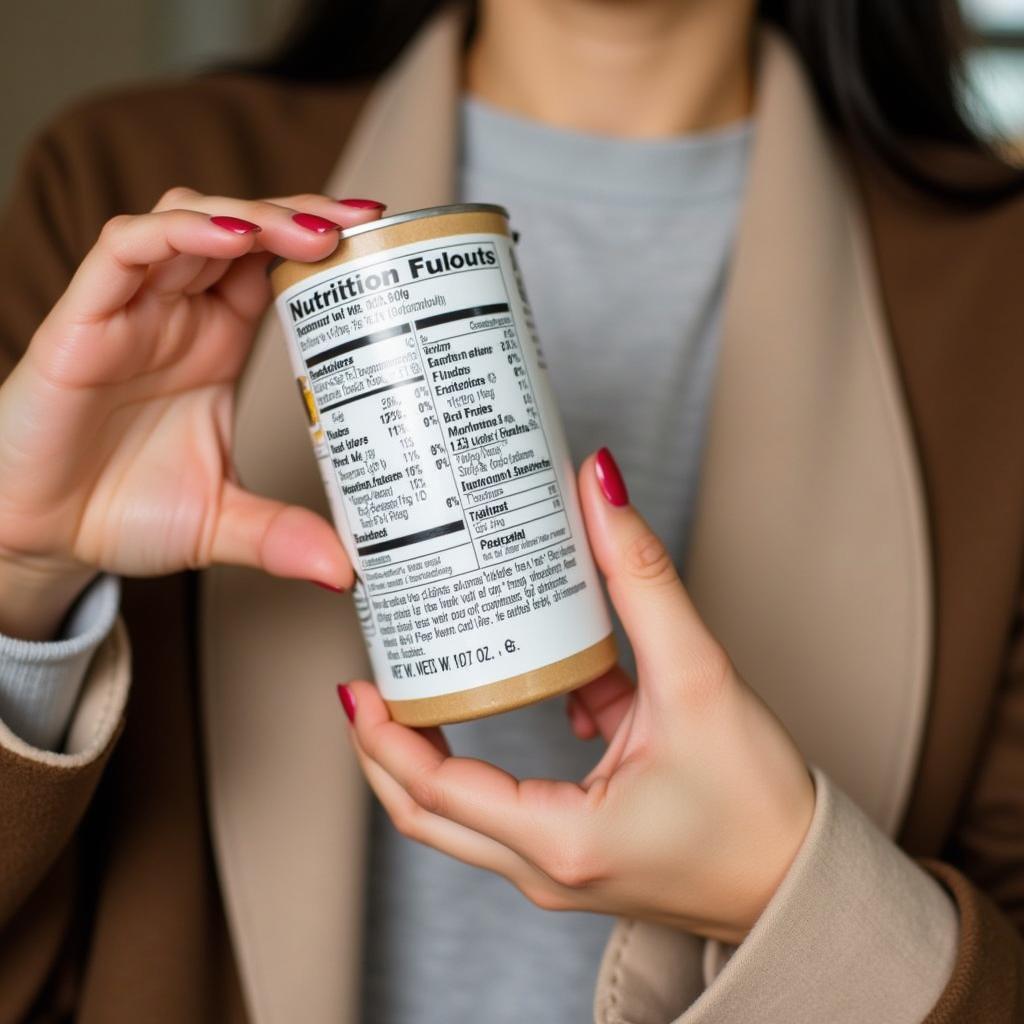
40,681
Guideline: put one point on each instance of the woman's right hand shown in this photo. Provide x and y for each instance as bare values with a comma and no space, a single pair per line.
115,427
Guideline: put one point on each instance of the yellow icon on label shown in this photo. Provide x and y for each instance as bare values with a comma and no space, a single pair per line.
309,405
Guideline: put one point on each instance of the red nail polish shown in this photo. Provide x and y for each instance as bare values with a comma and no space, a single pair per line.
363,204
236,225
328,586
348,702
613,487
311,222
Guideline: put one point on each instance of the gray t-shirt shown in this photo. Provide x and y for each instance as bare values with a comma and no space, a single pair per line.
624,248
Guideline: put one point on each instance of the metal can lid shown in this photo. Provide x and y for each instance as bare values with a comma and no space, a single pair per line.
401,218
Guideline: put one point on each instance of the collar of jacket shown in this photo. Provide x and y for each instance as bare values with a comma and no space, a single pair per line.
809,557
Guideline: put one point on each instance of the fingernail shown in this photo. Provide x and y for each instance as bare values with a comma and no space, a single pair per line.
348,702
236,225
613,487
328,586
363,204
311,222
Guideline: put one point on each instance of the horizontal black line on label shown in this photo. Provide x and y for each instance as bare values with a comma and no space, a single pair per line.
461,314
411,538
348,346
370,394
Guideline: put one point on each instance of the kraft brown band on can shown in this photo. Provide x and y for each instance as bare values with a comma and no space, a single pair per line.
444,459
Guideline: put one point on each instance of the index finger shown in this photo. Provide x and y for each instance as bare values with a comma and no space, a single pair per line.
342,213
644,586
116,266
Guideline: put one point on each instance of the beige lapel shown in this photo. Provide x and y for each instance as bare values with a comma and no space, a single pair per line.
287,805
809,556
810,559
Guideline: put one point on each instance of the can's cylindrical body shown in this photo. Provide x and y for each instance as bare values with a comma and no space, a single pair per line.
446,465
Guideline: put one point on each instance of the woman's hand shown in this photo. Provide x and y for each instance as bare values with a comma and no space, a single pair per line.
115,427
696,809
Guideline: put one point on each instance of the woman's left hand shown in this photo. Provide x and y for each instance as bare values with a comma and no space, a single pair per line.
694,813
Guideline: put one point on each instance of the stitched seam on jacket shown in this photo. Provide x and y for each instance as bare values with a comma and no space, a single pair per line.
611,1011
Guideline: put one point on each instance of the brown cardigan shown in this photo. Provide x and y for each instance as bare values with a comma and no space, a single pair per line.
108,899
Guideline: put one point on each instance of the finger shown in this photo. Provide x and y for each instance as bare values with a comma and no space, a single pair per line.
611,759
284,540
445,836
437,740
462,843
211,274
301,227
582,725
643,584
541,820
347,212
117,265
606,701
244,286
178,275
341,211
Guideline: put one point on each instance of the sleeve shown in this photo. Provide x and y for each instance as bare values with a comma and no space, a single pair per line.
40,682
39,249
58,204
984,867
44,794
857,931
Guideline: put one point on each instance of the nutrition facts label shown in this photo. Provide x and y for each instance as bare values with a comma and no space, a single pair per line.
432,417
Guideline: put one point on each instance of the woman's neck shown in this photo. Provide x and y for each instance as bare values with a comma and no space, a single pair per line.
632,68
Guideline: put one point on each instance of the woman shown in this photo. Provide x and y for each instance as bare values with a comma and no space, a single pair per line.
852,400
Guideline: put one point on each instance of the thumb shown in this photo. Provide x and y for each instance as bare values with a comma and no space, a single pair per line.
284,540
656,612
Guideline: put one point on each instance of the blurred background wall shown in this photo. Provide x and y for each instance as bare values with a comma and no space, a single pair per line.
53,51
996,66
